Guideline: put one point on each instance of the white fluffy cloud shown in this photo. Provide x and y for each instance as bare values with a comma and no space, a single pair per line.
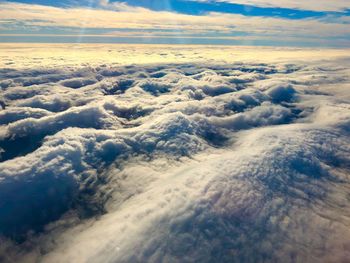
192,162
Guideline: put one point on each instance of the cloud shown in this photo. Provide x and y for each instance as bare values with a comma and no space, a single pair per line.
157,24
323,5
210,161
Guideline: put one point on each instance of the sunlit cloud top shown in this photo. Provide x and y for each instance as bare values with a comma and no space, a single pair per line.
236,22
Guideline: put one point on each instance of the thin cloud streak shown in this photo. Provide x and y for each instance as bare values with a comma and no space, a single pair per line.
140,19
312,5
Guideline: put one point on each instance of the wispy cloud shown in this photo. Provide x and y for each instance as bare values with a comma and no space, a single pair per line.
145,20
314,5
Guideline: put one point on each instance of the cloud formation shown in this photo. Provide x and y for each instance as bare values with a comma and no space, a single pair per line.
323,5
123,21
229,162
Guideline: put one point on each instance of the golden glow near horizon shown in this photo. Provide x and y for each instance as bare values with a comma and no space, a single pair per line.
50,55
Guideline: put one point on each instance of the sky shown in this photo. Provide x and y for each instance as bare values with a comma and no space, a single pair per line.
310,23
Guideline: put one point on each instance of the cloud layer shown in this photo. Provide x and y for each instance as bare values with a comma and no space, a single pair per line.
323,5
188,162
113,21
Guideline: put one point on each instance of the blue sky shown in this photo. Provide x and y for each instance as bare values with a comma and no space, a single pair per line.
318,23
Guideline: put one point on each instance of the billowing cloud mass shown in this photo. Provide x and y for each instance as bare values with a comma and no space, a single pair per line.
175,162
